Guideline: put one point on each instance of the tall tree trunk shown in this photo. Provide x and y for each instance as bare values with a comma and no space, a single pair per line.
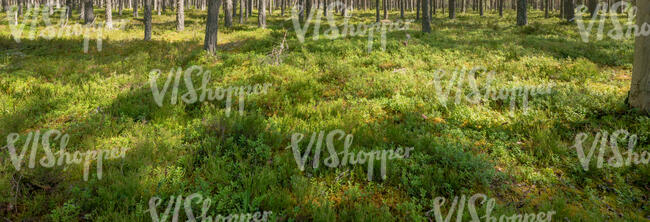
639,96
593,4
212,26
377,10
385,3
89,15
120,6
241,12
147,20
135,8
68,11
417,9
500,8
227,9
426,26
82,10
480,6
261,14
452,9
234,8
180,15
522,14
109,14
546,7
401,9
569,10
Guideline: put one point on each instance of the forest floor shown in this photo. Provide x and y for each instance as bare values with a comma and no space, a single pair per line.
520,155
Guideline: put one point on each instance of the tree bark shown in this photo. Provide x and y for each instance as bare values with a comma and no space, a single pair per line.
452,9
180,15
426,26
135,8
261,14
480,6
593,4
500,8
522,14
89,15
227,9
212,26
147,20
385,5
639,96
109,14
120,6
417,9
377,10
569,10
241,12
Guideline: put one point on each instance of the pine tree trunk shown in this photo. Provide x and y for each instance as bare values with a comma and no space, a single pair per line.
261,16
212,26
480,6
385,3
227,9
82,10
234,8
417,9
109,14
147,20
639,96
522,14
569,10
135,8
89,15
120,6
180,15
452,9
500,8
426,27
241,12
377,10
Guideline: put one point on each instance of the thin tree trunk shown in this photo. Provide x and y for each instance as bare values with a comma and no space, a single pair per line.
147,20
212,26
180,15
426,27
417,9
385,4
135,8
480,6
569,10
500,8
522,17
120,6
241,12
227,9
89,15
639,96
377,10
452,9
261,16
109,14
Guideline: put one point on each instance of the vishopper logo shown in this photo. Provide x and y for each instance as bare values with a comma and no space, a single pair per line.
346,29
347,157
459,205
197,198
633,30
455,83
61,29
204,93
608,142
64,157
